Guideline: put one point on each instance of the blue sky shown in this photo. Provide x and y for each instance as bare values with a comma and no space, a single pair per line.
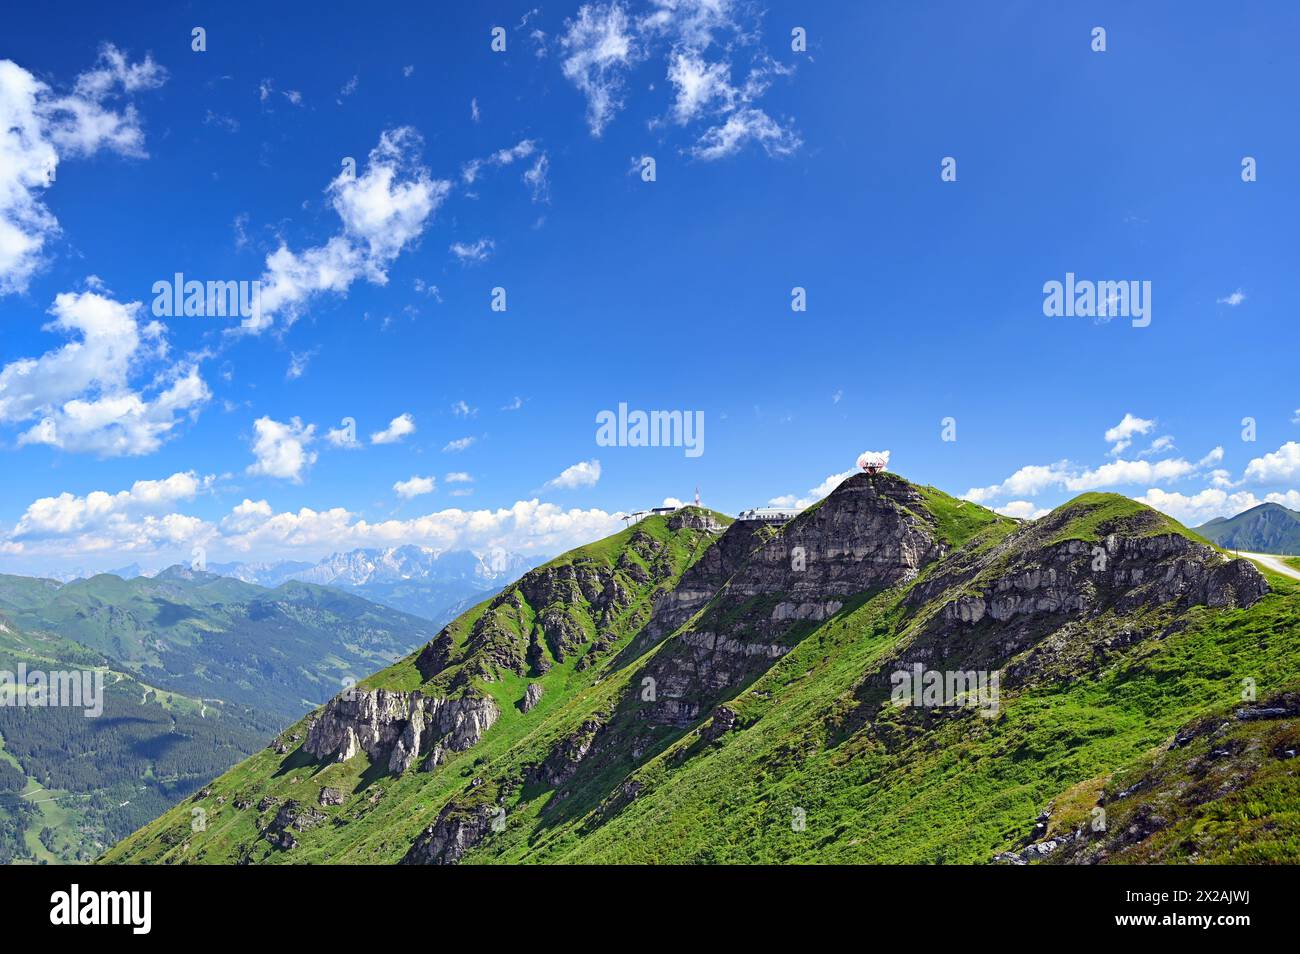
129,437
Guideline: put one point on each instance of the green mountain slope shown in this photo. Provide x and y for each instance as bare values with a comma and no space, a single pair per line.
200,670
70,786
208,636
748,708
1268,528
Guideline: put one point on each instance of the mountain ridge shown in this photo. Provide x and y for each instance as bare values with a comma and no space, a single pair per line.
1266,528
752,686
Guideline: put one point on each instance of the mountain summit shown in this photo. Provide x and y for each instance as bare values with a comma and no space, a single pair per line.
701,689
1268,528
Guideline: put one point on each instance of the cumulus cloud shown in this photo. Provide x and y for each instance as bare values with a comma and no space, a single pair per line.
1022,510
582,474
1034,479
458,445
1233,300
415,487
345,436
1280,466
67,514
458,477
143,520
1198,508
805,500
398,427
138,519
1120,437
80,395
282,449
40,127
528,526
383,211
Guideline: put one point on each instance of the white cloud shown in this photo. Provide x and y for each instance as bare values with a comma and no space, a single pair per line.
1034,479
415,487
699,85
1195,509
1121,472
514,404
1022,509
528,526
80,394
1120,437
473,109
458,477
298,362
1233,300
538,180
502,157
462,409
1028,481
474,252
67,515
458,445
39,128
383,210
598,48
582,474
1161,445
803,501
398,427
744,126
281,449
345,436
1280,466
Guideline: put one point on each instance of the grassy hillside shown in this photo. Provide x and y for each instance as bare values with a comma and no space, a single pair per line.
70,786
807,758
208,636
201,671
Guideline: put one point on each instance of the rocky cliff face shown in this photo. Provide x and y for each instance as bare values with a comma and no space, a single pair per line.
872,532
1075,597
396,729
457,829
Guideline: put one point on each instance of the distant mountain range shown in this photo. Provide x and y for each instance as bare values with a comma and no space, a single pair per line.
1268,528
436,585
